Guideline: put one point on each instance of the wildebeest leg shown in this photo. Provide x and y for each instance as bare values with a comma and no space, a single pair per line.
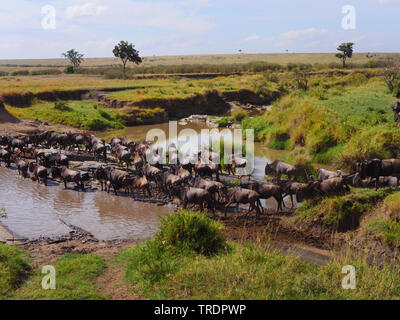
227,206
65,184
148,191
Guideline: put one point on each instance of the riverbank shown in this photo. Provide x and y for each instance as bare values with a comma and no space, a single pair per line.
193,268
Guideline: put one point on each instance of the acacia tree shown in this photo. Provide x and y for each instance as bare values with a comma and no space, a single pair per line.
126,52
346,52
74,57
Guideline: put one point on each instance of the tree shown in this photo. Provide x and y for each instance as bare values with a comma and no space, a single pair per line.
74,57
347,52
127,52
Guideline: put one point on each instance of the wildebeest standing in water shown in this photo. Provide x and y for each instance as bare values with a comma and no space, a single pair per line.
244,196
197,196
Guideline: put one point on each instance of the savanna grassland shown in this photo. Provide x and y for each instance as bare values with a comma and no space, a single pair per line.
320,113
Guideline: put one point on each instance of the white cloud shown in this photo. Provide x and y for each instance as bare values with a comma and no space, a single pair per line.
87,9
142,14
253,38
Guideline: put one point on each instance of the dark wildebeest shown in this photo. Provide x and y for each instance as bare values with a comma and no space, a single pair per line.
16,144
378,168
22,167
118,179
152,173
324,174
214,188
277,168
68,175
353,180
267,191
79,140
5,156
122,154
99,149
290,188
329,187
198,197
54,160
170,181
244,196
100,174
38,172
203,169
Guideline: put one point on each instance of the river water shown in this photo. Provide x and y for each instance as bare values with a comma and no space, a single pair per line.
35,210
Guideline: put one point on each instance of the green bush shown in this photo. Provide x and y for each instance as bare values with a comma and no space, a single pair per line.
62,106
193,231
14,268
69,70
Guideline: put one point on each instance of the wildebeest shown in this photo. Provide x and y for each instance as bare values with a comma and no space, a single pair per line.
5,156
267,191
291,188
38,172
382,182
68,175
54,159
203,169
122,154
329,187
237,163
141,184
376,168
198,197
244,196
118,179
324,174
277,168
22,167
170,181
100,174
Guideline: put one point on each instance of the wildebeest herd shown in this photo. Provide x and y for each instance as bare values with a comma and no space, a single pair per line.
123,165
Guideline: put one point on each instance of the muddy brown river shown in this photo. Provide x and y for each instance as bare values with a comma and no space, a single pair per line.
35,210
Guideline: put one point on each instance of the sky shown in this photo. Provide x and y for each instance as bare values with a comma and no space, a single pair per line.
32,29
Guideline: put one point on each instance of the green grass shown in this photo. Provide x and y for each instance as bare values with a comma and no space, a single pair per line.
79,114
387,229
14,269
349,119
159,270
75,275
336,211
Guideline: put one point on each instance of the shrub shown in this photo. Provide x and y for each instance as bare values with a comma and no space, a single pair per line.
62,106
69,70
193,231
